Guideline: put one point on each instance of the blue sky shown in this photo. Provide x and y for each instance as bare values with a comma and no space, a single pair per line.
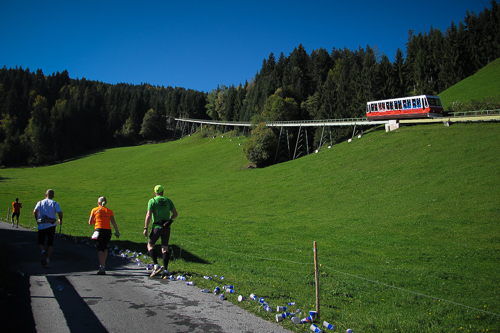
201,44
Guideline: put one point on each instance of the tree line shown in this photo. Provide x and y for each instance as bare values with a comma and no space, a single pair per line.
45,119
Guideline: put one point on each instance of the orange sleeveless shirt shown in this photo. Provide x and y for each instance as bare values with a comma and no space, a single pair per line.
102,216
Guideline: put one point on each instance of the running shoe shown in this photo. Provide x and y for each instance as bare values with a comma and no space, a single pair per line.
101,271
165,275
156,270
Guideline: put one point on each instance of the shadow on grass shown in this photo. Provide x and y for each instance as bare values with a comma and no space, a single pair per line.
2,179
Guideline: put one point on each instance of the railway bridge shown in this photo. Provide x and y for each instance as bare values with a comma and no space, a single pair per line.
188,126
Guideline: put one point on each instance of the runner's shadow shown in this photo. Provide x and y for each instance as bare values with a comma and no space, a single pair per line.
177,252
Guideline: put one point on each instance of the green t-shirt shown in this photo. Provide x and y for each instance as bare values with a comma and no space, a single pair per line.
160,207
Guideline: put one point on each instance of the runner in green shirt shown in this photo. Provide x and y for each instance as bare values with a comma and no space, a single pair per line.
159,209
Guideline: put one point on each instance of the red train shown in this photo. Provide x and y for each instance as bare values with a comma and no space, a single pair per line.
423,106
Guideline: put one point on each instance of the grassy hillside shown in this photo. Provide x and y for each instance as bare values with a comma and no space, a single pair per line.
406,222
485,84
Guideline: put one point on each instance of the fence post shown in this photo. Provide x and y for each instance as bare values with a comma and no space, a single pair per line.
316,277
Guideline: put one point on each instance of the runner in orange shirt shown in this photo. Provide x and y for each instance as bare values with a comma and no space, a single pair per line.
102,217
16,210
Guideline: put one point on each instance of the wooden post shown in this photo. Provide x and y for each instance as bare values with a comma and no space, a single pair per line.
316,276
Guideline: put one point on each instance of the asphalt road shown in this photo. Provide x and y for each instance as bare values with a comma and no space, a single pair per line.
70,297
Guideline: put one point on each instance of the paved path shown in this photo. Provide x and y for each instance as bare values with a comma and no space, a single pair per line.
125,300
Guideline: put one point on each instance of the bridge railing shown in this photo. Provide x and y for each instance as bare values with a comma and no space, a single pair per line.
283,123
474,113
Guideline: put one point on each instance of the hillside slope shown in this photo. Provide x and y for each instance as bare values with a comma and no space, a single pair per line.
484,84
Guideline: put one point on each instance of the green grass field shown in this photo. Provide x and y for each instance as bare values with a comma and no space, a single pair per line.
406,222
482,85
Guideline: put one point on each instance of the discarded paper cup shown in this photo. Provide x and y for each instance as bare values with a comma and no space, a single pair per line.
222,297
253,297
281,308
315,328
280,317
241,298
291,303
349,331
261,300
268,308
230,291
296,320
313,313
206,277
216,290
329,326
190,283
181,278
283,316
205,290
307,319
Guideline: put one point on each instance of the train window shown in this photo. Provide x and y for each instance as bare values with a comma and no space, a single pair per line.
434,101
414,103
426,104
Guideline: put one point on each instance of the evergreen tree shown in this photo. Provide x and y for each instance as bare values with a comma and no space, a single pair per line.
38,135
399,75
386,78
300,80
369,76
